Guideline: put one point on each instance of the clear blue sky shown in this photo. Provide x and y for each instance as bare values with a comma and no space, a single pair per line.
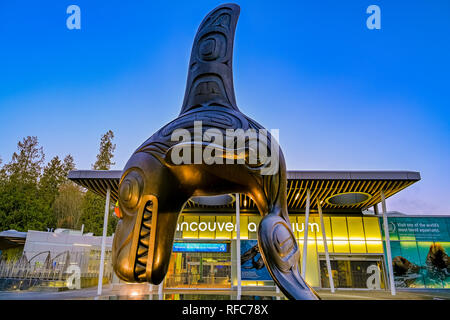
343,96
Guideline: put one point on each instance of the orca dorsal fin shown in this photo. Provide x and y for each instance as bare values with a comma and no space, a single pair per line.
210,74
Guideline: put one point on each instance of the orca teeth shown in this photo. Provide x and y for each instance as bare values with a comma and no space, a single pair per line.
139,268
143,259
147,224
142,250
147,216
141,276
143,243
144,232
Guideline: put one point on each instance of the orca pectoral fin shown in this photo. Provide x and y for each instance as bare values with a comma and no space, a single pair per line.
280,253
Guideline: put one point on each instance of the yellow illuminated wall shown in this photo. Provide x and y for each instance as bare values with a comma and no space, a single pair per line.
190,221
221,231
340,234
356,235
345,234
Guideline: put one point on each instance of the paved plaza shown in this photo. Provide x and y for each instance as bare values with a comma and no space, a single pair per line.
133,292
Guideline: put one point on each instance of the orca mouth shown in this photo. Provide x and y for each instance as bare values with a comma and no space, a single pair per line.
143,245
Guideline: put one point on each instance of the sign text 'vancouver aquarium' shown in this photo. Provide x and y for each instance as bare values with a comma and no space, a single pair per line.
230,226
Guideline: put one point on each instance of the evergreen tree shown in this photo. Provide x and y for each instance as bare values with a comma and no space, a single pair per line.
26,165
28,190
67,207
106,153
21,207
53,177
93,206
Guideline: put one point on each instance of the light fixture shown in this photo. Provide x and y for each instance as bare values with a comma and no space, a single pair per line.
348,198
219,200
297,195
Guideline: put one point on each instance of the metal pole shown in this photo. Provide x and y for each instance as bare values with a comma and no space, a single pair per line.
305,234
375,208
388,244
160,290
102,255
325,245
238,247
150,290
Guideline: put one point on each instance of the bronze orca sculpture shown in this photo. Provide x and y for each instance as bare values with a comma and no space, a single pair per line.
154,188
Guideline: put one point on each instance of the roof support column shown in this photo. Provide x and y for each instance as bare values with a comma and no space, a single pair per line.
238,246
102,255
388,244
375,208
160,290
325,246
305,234
150,291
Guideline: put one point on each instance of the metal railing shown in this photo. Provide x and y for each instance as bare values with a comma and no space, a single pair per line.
44,270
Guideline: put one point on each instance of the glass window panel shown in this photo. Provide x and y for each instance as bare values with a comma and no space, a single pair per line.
312,268
301,227
340,235
190,227
314,227
244,227
312,274
372,229
206,227
373,234
432,278
408,250
356,235
446,246
374,246
221,230
392,226
405,229
412,277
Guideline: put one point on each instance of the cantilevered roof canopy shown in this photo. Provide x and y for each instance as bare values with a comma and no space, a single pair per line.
12,239
358,189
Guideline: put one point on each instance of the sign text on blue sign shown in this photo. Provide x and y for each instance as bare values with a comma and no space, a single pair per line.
199,247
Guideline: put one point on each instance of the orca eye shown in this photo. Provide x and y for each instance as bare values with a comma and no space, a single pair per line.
130,189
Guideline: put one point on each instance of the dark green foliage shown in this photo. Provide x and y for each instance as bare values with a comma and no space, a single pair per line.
34,196
93,210
23,205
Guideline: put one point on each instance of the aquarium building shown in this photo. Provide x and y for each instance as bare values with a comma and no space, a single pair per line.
339,206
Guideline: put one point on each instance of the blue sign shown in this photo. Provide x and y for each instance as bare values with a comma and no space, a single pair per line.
252,264
199,247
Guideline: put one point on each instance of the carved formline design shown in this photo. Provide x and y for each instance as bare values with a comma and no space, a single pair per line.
210,74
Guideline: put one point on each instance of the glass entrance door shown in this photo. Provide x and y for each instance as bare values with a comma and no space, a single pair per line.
199,270
354,272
